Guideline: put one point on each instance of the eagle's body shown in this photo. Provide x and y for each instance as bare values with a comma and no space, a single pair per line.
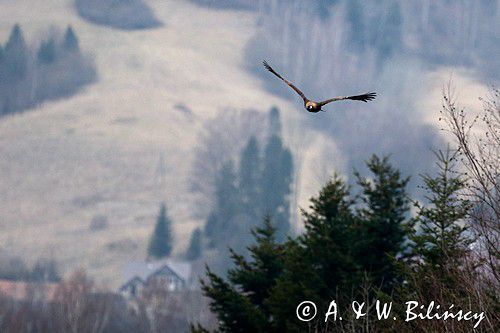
312,106
315,107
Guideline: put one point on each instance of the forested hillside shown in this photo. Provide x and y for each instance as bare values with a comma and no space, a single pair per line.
58,68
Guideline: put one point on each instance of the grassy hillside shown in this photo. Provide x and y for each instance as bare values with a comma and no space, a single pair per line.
97,153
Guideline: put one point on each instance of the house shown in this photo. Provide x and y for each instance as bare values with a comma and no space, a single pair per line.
173,275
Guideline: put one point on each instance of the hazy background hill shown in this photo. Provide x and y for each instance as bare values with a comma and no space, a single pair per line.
125,143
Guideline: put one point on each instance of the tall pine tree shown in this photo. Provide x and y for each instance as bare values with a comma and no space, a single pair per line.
47,52
318,264
440,267
227,204
276,183
195,245
441,237
160,244
240,302
15,56
385,222
249,174
70,41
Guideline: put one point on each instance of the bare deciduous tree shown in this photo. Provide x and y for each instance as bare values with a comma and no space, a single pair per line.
477,137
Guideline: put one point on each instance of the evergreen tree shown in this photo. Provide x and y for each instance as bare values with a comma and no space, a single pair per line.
276,181
384,222
319,263
47,52
160,244
249,173
239,303
221,227
70,41
15,56
226,193
439,267
210,229
195,247
274,122
441,238
2,75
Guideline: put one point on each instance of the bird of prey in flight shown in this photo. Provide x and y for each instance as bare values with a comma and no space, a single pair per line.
314,107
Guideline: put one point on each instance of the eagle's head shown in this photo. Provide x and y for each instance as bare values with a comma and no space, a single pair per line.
309,107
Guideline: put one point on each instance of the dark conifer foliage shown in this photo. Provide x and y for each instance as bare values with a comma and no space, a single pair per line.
240,302
47,52
384,221
440,267
442,238
260,187
160,244
277,176
320,263
57,69
249,177
363,248
338,252
16,57
70,41
195,245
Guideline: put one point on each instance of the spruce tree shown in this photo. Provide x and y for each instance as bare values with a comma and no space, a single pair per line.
384,222
249,173
15,56
319,264
227,203
274,122
195,247
240,302
210,228
47,52
441,237
160,244
276,182
439,267
70,41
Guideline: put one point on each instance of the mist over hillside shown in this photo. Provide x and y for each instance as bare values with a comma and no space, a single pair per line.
339,48
169,97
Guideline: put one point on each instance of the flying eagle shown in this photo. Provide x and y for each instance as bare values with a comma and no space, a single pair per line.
314,107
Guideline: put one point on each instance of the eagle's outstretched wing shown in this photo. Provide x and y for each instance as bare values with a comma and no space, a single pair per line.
269,68
364,98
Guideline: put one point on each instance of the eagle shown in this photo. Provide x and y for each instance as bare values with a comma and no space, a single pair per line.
312,106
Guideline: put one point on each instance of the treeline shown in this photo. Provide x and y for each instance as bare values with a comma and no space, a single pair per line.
357,45
127,15
362,244
15,269
248,187
228,4
56,69
361,248
76,304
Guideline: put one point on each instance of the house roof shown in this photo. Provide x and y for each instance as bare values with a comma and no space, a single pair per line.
143,270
